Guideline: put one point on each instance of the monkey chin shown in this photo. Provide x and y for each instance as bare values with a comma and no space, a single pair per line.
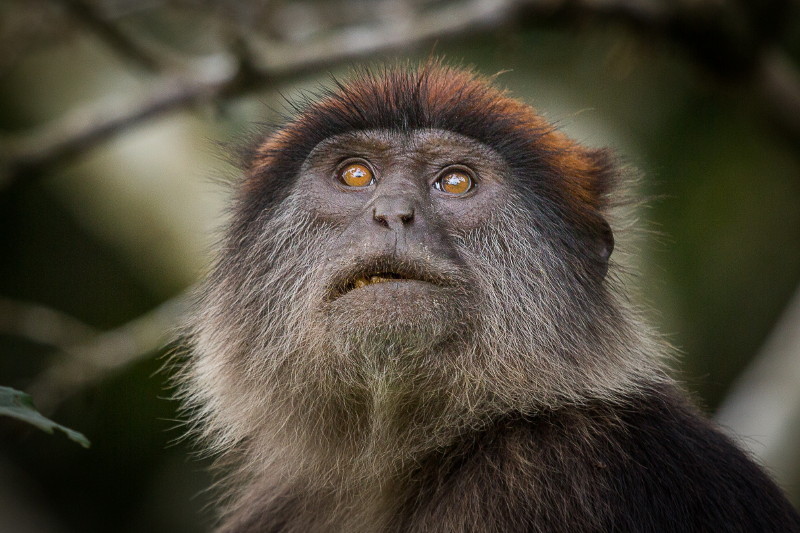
402,314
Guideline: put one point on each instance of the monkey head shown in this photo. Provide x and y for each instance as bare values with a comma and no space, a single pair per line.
413,246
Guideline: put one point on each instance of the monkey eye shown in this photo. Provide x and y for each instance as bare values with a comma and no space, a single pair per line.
454,182
355,175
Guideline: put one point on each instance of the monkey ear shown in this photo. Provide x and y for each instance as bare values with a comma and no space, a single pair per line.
604,241
602,245
599,182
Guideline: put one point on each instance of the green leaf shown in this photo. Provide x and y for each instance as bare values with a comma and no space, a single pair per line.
19,405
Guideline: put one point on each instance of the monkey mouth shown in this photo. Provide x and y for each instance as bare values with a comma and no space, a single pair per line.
381,277
383,271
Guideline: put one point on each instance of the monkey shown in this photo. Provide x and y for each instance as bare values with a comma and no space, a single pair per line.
414,324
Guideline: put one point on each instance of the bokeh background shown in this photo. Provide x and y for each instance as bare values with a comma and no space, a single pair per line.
116,121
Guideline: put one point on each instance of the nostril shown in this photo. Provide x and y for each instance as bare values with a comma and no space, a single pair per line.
380,218
393,211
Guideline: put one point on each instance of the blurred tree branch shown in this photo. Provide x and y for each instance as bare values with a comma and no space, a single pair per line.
112,34
715,35
82,364
764,403
42,324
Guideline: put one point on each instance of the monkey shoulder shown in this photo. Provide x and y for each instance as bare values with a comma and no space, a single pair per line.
677,471
650,464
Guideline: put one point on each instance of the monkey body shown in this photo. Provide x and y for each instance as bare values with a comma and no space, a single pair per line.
652,465
411,327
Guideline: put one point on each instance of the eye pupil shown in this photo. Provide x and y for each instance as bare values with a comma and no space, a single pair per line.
455,183
355,175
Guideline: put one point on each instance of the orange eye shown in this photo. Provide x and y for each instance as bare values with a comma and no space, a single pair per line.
454,182
356,175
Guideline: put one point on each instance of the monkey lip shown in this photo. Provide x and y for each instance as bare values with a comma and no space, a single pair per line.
366,280
369,275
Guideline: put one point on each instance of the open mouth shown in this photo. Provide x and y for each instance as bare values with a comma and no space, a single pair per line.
381,277
374,272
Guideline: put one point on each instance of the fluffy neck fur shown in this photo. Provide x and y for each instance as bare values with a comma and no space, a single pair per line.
293,403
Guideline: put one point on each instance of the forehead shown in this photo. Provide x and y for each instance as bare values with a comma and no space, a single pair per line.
429,142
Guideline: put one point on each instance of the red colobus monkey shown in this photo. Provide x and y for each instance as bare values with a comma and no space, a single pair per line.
410,327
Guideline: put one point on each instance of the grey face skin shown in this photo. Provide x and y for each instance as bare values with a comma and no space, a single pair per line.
406,168
392,259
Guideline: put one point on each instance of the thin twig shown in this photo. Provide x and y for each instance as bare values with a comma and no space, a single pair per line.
117,39
41,324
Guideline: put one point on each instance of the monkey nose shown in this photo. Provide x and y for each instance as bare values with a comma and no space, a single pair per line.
393,211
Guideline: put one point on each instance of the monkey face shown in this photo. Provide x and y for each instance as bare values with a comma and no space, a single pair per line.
392,205
416,247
